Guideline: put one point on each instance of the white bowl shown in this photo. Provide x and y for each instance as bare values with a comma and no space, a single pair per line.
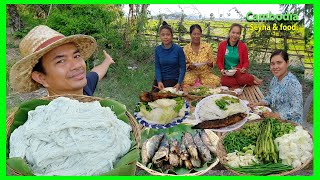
224,88
230,72
199,64
238,91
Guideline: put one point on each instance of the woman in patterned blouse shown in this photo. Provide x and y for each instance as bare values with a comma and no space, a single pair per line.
285,93
199,60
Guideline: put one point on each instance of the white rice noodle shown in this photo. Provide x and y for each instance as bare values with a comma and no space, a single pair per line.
210,111
68,137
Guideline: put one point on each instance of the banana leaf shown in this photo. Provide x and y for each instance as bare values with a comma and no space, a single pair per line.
20,165
175,132
125,165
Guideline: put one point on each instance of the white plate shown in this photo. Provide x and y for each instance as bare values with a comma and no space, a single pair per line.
199,64
253,116
227,128
260,109
150,124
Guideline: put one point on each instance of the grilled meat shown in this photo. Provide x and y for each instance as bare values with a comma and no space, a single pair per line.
219,123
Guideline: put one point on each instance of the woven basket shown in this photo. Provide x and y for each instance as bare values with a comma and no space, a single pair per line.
221,153
156,173
136,128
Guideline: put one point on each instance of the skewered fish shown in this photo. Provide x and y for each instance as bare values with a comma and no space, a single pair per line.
188,164
208,141
174,159
204,152
195,162
192,149
162,154
149,147
184,155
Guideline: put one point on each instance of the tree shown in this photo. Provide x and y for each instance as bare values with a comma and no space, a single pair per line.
15,20
306,11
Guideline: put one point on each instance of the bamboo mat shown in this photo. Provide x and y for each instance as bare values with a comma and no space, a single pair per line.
252,94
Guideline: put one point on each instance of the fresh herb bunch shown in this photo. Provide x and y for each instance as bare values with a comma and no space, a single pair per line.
200,91
279,129
238,140
148,108
226,100
179,104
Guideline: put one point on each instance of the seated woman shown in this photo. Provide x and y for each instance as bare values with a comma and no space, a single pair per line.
233,53
285,93
170,62
199,60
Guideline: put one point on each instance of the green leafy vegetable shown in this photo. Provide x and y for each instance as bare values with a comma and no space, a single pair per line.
279,128
179,105
239,139
226,100
19,165
200,91
222,104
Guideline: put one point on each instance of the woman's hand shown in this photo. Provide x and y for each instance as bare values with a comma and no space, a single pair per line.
191,67
177,86
160,86
268,114
210,63
243,70
223,72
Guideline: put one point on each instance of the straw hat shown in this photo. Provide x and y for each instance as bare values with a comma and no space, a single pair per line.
39,41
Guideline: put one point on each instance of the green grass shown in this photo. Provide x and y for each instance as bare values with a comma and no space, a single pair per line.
125,85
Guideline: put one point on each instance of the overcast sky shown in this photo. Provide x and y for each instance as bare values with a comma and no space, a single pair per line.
226,10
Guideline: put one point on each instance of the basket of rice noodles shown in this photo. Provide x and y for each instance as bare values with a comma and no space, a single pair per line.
72,135
266,147
177,151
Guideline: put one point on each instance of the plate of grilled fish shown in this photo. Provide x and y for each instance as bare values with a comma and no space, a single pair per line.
221,113
179,150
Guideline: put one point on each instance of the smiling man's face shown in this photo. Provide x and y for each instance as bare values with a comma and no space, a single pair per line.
65,70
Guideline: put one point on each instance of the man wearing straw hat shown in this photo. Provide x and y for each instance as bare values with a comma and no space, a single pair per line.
57,63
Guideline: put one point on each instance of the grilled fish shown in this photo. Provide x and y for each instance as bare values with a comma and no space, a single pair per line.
149,147
188,164
192,149
195,162
162,154
204,152
174,159
208,141
219,123
184,155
